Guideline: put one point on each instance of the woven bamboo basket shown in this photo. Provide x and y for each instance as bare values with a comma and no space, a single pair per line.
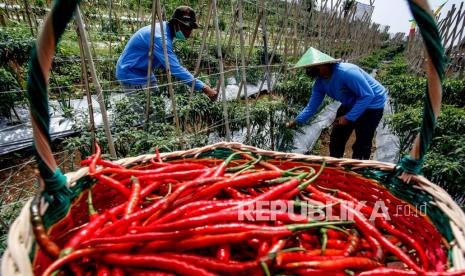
361,178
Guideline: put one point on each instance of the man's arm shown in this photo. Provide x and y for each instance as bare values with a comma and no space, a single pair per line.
357,83
315,101
177,70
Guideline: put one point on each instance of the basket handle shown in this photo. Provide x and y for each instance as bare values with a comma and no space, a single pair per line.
411,165
55,189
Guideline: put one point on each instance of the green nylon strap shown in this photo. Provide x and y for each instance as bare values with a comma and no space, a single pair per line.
55,182
432,40
411,165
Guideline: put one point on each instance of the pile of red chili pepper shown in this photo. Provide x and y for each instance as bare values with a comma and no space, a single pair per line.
220,217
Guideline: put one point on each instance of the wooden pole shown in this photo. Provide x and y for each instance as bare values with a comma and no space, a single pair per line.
220,59
101,101
244,78
148,103
168,72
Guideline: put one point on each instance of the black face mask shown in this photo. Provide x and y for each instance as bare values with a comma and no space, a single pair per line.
313,72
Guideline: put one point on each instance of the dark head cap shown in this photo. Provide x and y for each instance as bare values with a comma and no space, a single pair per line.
185,15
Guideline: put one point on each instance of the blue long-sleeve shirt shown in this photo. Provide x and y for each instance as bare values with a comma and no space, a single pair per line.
351,86
132,65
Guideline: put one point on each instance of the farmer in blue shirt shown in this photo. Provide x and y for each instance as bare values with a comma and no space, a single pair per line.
361,96
132,65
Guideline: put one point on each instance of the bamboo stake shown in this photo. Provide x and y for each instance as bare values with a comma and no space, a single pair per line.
286,14
244,78
265,46
98,88
251,46
168,71
86,89
110,11
220,60
26,7
202,46
232,30
148,93
275,48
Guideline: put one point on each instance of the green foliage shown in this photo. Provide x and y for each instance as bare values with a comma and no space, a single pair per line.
15,45
454,92
10,93
445,158
373,61
296,89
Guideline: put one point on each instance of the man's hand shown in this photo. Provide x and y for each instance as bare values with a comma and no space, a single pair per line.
212,94
341,121
291,124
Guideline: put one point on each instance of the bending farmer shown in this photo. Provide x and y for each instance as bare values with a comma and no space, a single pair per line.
132,66
362,99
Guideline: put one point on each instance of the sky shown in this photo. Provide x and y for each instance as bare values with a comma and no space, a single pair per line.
395,13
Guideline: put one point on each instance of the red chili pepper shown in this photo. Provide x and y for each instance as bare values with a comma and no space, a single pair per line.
190,184
168,169
378,252
117,271
40,233
68,258
103,163
88,231
211,208
334,234
134,198
157,152
181,211
221,168
150,188
263,249
318,272
114,184
262,163
296,190
216,265
352,243
93,163
369,230
299,256
224,216
150,273
279,231
224,252
387,226
335,244
102,270
236,194
137,216
332,264
309,238
172,264
181,175
139,237
400,272
240,181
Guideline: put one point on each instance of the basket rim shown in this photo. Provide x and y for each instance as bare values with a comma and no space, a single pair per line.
21,239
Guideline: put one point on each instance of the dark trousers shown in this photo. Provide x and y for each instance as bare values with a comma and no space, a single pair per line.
365,128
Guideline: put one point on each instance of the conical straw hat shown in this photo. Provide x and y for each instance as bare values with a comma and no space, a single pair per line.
314,57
